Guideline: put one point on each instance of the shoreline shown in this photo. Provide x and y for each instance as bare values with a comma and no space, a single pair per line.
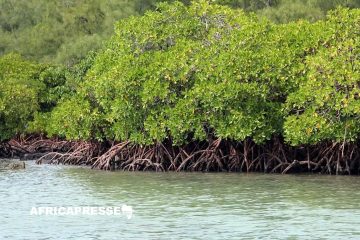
215,155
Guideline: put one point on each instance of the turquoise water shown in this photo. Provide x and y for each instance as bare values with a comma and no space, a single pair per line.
179,205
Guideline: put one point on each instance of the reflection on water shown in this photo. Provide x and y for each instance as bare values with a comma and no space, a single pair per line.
179,205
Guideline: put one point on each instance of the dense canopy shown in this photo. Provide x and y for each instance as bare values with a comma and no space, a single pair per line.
189,72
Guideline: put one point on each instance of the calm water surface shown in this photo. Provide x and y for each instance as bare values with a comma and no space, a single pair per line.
179,205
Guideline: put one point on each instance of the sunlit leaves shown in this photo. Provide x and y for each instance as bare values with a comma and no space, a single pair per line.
326,105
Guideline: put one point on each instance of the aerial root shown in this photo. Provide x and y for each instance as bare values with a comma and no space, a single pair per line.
212,155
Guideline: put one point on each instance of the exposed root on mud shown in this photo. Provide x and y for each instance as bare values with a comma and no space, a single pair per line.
212,155
31,145
80,153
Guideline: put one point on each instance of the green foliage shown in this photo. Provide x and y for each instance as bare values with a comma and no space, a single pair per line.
19,89
64,31
326,106
58,31
284,11
71,119
61,84
195,72
205,70
167,63
29,92
249,5
54,79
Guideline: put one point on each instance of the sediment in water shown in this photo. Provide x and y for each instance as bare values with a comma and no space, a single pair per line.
11,164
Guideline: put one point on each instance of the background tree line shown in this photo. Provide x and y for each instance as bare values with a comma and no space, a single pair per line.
64,31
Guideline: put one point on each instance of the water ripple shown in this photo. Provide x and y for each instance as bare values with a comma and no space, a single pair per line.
179,205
